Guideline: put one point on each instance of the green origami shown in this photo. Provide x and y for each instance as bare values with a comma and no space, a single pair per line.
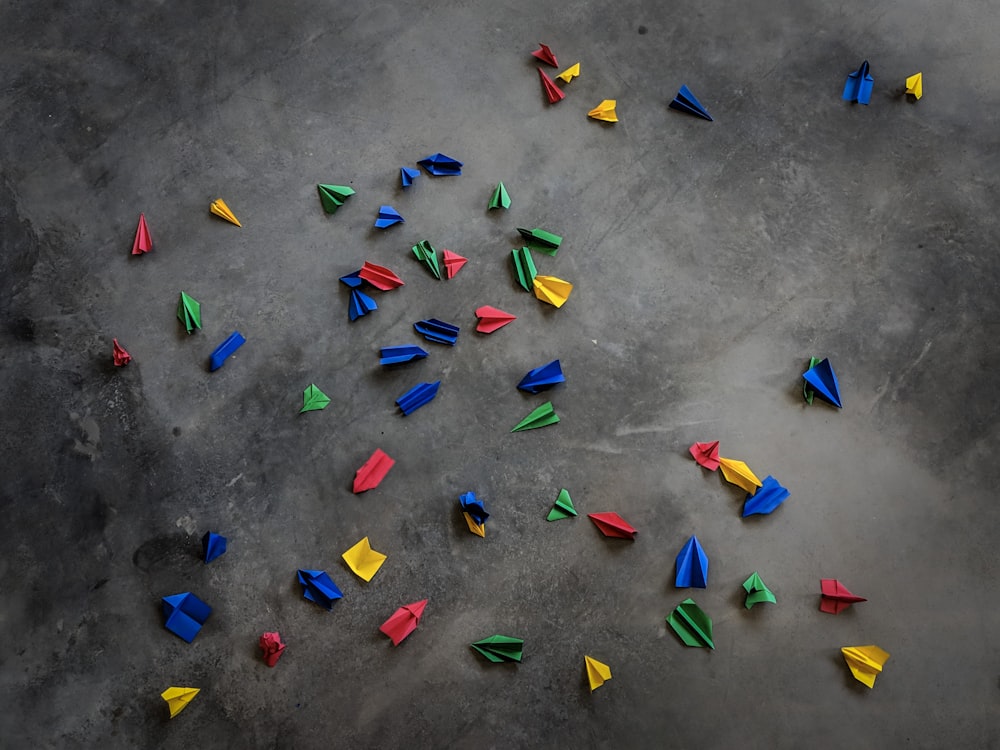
543,416
563,507
333,196
313,399
500,197
189,312
524,267
500,648
757,592
692,625
808,393
427,255
545,241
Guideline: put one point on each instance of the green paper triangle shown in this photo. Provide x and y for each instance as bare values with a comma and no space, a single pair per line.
757,591
189,312
313,399
500,197
427,255
691,624
333,196
563,507
524,267
543,416
500,648
542,240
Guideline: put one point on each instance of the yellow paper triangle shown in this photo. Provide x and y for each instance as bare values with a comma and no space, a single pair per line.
570,73
552,290
915,85
605,111
738,473
597,672
177,698
219,208
479,529
363,560
865,662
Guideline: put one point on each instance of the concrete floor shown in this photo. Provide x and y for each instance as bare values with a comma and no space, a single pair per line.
710,261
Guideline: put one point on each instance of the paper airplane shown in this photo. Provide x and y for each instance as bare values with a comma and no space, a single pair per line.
834,596
220,209
352,280
563,507
360,305
611,524
225,350
808,393
605,111
479,529
738,473
859,85
273,648
380,277
500,648
766,499
440,165
524,268
396,355
319,588
691,624
685,101
474,512
542,378
570,73
543,416
453,263
500,197
142,242
552,92
213,545
403,621
544,54
387,216
313,399
492,319
417,396
177,698
546,241
407,175
597,672
552,290
189,312
426,254
823,380
372,471
333,196
118,354
914,86
363,561
757,592
437,331
692,566
185,614
706,454
865,662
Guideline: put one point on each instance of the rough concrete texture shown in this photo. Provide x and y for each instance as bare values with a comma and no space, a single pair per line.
710,261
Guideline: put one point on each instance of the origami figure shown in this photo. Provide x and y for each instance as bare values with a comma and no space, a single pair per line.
273,648
213,545
542,416
352,280
426,254
546,241
185,614
563,508
597,672
859,85
766,499
542,378
915,85
372,471
387,216
691,624
685,101
552,92
220,209
360,305
407,175
437,331
605,111
453,263
319,588
500,648
544,54
692,566
474,513
440,165
500,197
611,524
397,355
417,396
552,290
189,312
225,350
403,621
570,73
757,592
524,268
379,277
363,561
118,354
824,382
142,242
313,399
333,196
706,454
492,319
865,662
835,597
738,473
178,698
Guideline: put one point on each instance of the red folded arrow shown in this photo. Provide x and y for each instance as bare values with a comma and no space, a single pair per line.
706,454
553,92
372,472
379,277
613,525
403,621
452,263
120,356
835,596
142,243
491,318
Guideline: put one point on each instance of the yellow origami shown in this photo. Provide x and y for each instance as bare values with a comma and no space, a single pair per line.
552,290
597,672
570,73
479,529
605,111
915,85
865,662
177,698
220,209
363,560
738,473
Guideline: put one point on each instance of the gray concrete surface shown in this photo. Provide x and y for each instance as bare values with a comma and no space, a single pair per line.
710,261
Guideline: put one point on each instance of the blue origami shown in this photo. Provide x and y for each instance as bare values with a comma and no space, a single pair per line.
768,497
387,216
474,507
317,587
692,566
685,101
185,614
397,355
360,304
542,378
407,175
441,165
224,350
214,545
859,85
437,331
353,280
417,396
824,381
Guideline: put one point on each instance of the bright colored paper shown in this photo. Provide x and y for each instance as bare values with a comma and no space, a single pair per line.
363,561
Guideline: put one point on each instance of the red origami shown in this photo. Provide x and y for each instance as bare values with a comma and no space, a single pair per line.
379,277
372,472
273,648
119,354
142,242
492,318
544,54
835,596
452,263
403,621
613,525
553,92
706,454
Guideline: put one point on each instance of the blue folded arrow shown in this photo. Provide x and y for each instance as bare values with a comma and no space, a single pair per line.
185,614
417,396
407,175
437,331
542,378
360,304
692,566
858,87
824,381
387,216
353,280
441,165
767,497
317,587
685,101
214,545
224,350
474,507
397,355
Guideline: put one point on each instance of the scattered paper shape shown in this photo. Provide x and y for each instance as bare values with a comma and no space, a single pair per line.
397,355
437,331
363,561
858,87
542,416
692,566
552,290
685,101
403,621
915,85
118,354
352,280
706,454
757,591
178,698
333,196
500,648
597,672
563,507
865,662
552,92
546,55
452,262
319,588
479,529
213,545
738,473
387,216
142,242
417,396
313,399
474,512
407,175
380,277
225,350
823,380
524,268
492,319
360,305
273,648
542,378
184,615
546,241
834,596
189,312
691,624
500,198
808,393
605,111
426,254
220,209
611,524
766,499
570,73
440,165
372,471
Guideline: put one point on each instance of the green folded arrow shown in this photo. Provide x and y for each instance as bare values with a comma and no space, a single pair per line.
543,416
692,625
500,197
333,196
189,312
524,268
313,399
500,648
427,255
757,592
563,507
545,241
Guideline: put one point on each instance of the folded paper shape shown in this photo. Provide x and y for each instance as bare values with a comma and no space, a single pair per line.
858,87
706,454
118,354
605,111
452,262
178,698
213,545
834,596
407,175
273,648
437,331
142,242
500,648
611,524
319,588
397,355
691,624
563,507
552,92
570,73
352,280
597,672
479,529
492,319
542,378
546,55
765,500
738,473
473,507
757,592
225,350
545,240
500,198
417,396
687,102
363,561
387,216
333,196
403,621
380,277
807,392
360,305
372,471
184,615
865,662
313,399
915,85
692,566
440,165
823,380
552,290
220,209
524,268
189,312
542,416
426,254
